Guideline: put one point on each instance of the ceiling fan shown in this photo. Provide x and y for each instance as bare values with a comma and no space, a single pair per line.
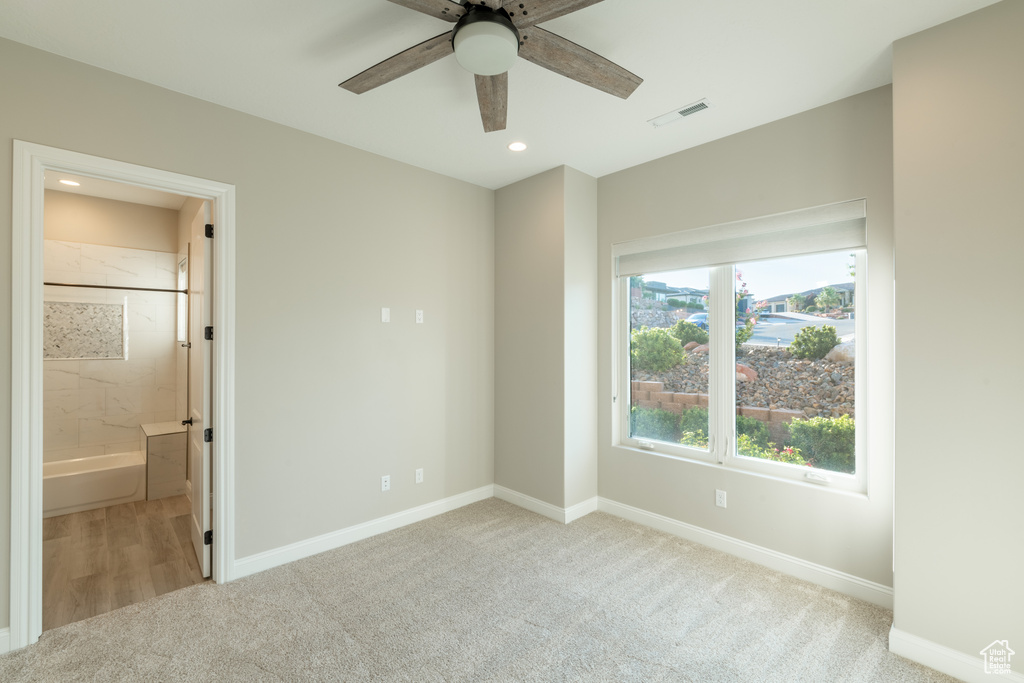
488,37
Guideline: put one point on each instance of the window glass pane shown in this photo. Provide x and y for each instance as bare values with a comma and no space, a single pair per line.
669,357
795,361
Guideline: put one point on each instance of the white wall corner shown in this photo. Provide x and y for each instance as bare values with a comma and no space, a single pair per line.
5,640
841,582
253,564
970,668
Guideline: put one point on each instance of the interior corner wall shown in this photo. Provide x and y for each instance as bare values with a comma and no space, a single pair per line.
328,399
545,337
529,307
959,178
834,153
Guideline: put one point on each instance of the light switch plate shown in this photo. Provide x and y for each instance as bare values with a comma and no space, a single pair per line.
385,315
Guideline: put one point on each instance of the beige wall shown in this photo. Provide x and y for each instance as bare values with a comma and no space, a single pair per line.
328,399
959,179
77,218
837,152
529,306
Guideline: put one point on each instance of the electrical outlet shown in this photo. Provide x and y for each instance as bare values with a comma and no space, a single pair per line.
720,498
385,482
419,317
419,476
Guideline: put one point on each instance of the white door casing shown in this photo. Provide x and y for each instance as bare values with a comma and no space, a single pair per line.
31,162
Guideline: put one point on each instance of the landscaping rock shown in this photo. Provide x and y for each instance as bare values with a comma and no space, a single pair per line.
749,374
843,353
780,382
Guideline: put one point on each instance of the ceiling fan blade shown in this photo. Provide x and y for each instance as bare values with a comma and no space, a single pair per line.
442,9
578,63
403,63
492,95
535,11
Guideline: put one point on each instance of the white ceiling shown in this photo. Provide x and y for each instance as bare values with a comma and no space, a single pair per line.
754,60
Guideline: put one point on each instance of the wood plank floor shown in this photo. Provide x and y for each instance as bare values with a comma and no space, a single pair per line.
99,560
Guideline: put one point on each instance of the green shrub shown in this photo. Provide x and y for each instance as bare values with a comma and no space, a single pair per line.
687,332
745,445
814,342
676,303
694,439
826,442
652,423
755,429
695,420
694,426
654,350
811,309
743,334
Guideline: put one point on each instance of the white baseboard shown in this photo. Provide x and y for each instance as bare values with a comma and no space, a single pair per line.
844,583
562,515
581,509
269,559
970,668
529,503
5,640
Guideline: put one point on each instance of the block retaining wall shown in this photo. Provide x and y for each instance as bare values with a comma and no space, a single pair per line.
653,395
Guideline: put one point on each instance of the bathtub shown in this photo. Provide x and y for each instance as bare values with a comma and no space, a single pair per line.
96,482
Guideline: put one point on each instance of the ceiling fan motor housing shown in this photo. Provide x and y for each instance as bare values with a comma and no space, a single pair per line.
485,40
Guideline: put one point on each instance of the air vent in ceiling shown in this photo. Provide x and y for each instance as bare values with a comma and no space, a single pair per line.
680,113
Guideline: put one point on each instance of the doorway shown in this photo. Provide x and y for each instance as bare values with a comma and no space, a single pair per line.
32,163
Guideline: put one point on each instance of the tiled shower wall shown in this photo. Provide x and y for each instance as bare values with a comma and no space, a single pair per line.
92,407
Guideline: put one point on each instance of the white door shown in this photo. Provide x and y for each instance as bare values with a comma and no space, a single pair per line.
199,297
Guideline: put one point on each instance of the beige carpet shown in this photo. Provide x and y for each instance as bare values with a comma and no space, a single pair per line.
489,592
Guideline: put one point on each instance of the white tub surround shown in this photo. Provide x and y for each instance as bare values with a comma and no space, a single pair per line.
164,444
90,483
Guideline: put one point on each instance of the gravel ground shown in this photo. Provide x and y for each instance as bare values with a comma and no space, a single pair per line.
816,387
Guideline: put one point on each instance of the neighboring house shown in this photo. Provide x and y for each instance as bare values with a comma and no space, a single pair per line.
780,303
661,291
692,295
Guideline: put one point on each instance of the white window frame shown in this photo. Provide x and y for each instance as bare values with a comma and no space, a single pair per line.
722,361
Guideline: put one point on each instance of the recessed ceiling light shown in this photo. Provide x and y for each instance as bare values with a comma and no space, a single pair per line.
517,146
71,182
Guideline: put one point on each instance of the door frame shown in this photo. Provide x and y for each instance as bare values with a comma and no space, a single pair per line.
31,161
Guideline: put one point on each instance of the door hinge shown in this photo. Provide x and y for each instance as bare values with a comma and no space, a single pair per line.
208,435
209,229
208,333
208,537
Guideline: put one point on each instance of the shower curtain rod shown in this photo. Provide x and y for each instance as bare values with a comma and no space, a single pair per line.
134,289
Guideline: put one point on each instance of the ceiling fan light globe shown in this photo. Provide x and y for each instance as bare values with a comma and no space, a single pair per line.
486,48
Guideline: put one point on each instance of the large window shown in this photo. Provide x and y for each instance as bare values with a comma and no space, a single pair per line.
751,361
